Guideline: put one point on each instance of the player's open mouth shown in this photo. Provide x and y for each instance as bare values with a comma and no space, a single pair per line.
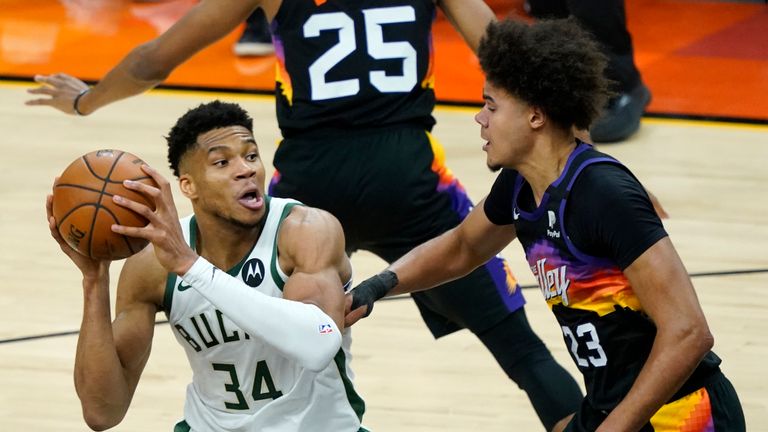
251,199
486,145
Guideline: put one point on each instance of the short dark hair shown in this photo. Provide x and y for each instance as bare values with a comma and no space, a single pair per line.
204,118
552,64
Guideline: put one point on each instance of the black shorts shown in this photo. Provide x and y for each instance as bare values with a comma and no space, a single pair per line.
391,191
712,408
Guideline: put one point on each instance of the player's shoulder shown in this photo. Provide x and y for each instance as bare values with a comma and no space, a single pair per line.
304,220
606,177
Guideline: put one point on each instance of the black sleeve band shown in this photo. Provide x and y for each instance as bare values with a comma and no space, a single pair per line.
373,289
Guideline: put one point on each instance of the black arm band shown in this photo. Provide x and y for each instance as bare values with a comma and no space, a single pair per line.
76,102
373,289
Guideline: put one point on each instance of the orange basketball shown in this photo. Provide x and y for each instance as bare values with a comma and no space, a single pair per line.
83,207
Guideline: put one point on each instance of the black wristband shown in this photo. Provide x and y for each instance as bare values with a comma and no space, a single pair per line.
373,289
77,101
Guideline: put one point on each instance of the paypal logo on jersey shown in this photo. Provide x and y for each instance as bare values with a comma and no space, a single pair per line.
552,232
253,272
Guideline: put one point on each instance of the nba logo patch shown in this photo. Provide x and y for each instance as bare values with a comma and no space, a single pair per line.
325,328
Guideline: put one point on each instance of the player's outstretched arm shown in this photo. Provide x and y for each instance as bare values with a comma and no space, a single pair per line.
110,356
148,64
469,17
449,256
664,289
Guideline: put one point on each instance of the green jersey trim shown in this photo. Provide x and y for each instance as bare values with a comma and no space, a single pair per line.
171,278
182,426
273,262
355,401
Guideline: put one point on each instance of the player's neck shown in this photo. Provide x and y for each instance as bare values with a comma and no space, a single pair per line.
223,243
546,162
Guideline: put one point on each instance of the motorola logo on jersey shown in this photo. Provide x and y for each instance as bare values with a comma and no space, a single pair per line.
253,272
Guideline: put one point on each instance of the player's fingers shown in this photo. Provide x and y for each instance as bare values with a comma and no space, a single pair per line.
355,316
142,187
135,207
39,102
42,79
49,206
52,226
138,232
159,179
50,91
57,79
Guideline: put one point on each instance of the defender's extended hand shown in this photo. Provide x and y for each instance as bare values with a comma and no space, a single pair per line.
163,230
62,89
353,316
359,301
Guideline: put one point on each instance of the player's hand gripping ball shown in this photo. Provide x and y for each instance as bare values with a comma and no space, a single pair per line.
83,206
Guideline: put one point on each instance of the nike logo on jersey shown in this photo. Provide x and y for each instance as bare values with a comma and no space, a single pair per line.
183,287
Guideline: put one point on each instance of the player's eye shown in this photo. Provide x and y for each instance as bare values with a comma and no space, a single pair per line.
220,163
251,157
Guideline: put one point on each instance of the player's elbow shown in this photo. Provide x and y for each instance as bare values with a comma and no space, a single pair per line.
99,420
705,340
99,413
147,66
324,353
697,338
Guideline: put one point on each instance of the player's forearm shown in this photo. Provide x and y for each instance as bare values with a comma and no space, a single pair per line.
298,330
135,74
469,17
674,357
99,379
435,262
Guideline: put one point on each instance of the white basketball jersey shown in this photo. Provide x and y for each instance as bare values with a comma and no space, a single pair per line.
241,384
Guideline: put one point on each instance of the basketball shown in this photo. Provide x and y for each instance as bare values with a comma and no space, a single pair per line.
83,207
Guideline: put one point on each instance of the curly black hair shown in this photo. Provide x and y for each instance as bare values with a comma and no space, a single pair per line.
552,64
204,118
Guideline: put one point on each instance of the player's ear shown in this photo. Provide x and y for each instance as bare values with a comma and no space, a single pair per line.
536,117
187,186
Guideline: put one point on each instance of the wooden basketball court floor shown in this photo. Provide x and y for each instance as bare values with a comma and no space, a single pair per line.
711,178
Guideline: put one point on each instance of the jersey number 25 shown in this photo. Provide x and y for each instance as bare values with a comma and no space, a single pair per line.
323,89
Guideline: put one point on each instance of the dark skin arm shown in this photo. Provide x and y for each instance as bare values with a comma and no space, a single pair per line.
449,256
149,64
111,354
664,289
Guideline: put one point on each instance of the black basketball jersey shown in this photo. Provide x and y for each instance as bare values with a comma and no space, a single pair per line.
608,334
353,64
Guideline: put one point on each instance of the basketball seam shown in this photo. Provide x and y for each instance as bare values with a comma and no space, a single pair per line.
67,214
114,217
101,194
